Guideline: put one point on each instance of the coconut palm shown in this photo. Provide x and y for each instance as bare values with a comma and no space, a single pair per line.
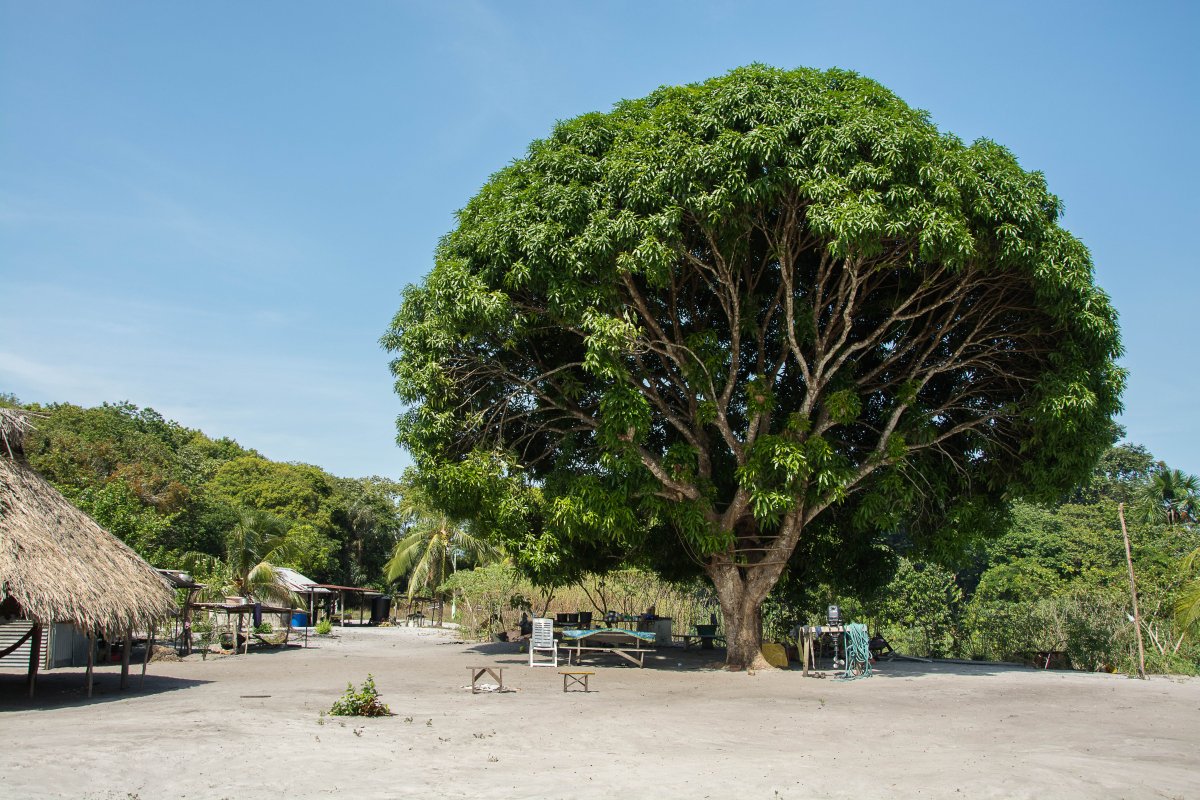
254,547
1170,496
1187,607
432,546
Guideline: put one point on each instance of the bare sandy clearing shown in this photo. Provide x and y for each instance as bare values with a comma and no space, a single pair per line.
674,729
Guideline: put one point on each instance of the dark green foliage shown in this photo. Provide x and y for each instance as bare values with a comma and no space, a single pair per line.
175,494
1056,581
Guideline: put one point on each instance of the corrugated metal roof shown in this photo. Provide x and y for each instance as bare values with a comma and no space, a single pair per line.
179,579
298,583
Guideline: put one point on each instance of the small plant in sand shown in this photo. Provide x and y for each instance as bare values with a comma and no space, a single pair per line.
324,627
204,635
363,702
263,627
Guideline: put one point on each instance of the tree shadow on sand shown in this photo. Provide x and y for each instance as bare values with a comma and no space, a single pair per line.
905,668
66,688
676,659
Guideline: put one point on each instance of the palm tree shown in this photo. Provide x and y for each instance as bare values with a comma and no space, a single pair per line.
432,546
1170,496
1187,607
253,548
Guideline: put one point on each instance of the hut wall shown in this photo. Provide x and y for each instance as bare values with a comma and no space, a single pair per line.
68,647
18,660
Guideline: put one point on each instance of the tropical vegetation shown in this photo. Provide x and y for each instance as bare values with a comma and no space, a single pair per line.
183,499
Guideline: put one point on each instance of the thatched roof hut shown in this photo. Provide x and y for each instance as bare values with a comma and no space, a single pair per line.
58,563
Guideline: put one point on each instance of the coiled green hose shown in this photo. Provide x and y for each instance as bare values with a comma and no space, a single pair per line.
858,652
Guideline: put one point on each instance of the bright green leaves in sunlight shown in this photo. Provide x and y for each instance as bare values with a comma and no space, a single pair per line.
703,320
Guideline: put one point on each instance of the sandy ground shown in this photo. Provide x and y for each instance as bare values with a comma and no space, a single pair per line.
250,726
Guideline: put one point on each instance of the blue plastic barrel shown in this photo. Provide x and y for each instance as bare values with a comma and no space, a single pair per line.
300,620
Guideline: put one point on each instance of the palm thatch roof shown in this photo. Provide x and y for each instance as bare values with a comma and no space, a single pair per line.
58,563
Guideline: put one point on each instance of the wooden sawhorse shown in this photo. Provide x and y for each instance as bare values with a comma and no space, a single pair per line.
497,674
575,678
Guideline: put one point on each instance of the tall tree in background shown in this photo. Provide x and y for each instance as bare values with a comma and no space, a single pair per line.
733,317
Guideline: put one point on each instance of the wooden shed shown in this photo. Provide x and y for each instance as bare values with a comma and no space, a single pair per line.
61,572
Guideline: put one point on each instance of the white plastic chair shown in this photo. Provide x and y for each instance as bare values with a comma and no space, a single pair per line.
543,640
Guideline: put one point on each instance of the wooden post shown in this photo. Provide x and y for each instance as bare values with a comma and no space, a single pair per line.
361,596
1137,618
91,658
35,650
128,645
187,622
146,660
309,621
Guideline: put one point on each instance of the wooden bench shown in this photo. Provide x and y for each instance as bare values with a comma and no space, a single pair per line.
497,674
575,678
634,655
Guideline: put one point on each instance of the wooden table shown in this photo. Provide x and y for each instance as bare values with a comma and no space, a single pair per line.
808,639
612,640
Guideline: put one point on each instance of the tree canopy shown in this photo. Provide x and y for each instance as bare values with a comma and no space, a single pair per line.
179,497
738,323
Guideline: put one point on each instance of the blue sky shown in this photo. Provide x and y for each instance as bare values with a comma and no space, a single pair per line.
212,208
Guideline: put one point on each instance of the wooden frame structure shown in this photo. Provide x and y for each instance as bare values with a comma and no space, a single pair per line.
243,631
340,593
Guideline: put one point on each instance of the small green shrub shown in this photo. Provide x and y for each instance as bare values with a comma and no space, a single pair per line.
263,627
324,627
362,703
204,635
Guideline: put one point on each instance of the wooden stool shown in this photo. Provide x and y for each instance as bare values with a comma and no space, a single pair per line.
497,674
576,678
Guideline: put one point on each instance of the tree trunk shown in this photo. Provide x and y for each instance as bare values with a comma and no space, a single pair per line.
743,619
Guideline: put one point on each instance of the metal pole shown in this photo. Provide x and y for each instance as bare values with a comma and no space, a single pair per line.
1137,618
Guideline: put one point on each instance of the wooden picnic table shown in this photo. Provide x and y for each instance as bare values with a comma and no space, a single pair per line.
608,640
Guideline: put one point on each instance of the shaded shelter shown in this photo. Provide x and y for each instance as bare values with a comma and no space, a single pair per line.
60,569
304,588
182,582
241,633
342,592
